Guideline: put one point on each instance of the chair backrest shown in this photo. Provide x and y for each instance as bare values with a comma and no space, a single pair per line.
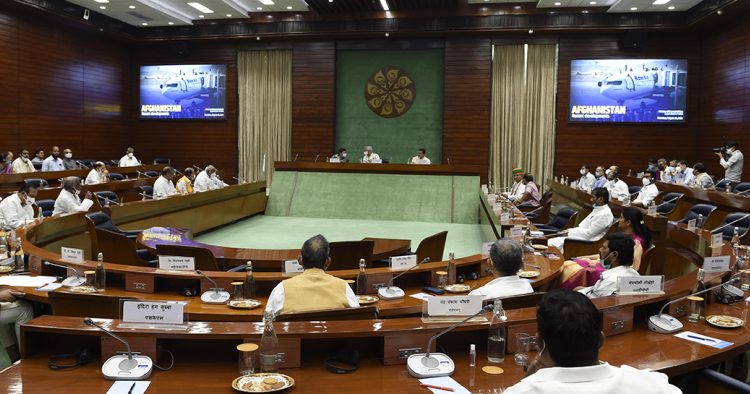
107,195
152,174
432,247
115,163
47,207
362,313
571,221
546,197
720,185
37,166
698,209
148,190
118,248
665,206
727,230
742,187
346,255
634,189
204,258
646,260
38,182
161,160
103,306
116,176
89,163
562,218
530,300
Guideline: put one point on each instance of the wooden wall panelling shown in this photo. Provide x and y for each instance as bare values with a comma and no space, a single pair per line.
626,145
466,102
9,82
313,99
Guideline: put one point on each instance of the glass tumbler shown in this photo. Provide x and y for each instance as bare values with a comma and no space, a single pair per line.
237,292
745,280
522,349
694,309
247,358
442,279
90,278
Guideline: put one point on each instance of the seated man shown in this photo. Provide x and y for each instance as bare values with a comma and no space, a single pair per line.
420,159
68,200
661,170
648,192
208,180
369,156
129,159
312,290
68,161
518,189
38,156
163,187
601,178
594,226
688,174
53,162
616,258
570,336
22,164
97,175
618,190
341,156
185,184
15,312
702,179
506,256
587,180
531,193
17,209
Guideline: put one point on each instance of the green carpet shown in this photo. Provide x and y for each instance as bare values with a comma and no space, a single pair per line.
272,232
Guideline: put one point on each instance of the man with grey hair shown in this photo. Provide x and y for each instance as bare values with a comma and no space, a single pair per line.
208,180
369,156
506,256
68,200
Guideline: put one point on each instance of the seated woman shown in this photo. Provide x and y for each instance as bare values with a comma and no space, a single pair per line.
586,270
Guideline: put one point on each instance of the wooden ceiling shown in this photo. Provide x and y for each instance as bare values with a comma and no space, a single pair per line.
346,6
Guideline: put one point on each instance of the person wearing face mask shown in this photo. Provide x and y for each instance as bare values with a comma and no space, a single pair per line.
18,208
668,176
163,187
651,164
648,192
518,189
420,158
616,256
22,164
6,163
69,201
733,166
587,179
53,162
617,189
129,159
204,181
341,156
702,179
601,179
97,175
569,339
661,166
68,161
369,156
594,226
185,184
688,177
506,257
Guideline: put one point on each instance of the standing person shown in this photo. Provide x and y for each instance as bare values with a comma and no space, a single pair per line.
53,162
129,159
22,164
733,166
420,158
531,194
587,180
518,189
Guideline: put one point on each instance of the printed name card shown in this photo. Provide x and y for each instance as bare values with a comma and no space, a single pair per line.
716,264
639,284
498,205
486,248
454,306
71,254
334,160
153,312
403,262
293,267
652,210
516,232
492,197
691,225
717,240
377,161
177,263
484,188
504,216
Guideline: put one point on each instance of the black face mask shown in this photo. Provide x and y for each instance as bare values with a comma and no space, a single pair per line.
661,168
54,156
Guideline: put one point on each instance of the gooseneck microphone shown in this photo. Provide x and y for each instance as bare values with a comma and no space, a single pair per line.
142,173
214,296
662,203
295,158
199,169
124,367
70,281
316,159
393,293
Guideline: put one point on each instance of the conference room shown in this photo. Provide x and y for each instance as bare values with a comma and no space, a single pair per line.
480,196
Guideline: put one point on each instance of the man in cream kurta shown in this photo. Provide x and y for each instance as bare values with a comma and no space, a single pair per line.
420,158
17,209
369,156
313,290
22,164
594,226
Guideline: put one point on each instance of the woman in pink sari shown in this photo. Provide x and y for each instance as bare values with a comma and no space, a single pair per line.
5,163
586,270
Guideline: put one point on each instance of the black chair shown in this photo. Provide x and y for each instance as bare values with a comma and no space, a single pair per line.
37,166
715,381
38,182
89,163
161,160
102,220
633,190
564,218
114,163
152,174
742,188
47,206
107,195
668,202
115,176
698,209
727,230
148,191
720,185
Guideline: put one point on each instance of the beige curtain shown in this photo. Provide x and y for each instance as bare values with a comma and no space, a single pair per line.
523,118
265,121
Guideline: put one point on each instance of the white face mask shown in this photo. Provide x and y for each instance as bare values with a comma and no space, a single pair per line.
367,154
25,160
608,171
583,172
68,155
130,155
678,169
30,200
646,181
78,191
343,154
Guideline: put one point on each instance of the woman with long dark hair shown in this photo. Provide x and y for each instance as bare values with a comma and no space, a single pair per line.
631,223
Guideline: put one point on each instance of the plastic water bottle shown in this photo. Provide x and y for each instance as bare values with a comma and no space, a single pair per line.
451,269
496,337
269,346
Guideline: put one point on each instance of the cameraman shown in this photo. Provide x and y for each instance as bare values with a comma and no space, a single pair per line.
734,165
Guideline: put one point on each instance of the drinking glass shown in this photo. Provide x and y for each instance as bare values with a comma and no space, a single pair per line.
745,280
522,349
90,278
442,279
247,358
351,284
237,294
694,309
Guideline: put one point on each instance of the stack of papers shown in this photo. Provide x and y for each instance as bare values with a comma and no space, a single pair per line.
447,382
703,340
26,281
123,387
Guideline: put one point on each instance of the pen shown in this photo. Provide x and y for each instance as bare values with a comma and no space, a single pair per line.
42,286
131,389
702,339
436,387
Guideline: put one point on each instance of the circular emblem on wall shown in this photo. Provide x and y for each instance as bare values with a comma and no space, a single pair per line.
390,92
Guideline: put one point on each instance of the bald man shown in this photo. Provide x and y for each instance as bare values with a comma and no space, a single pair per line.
68,200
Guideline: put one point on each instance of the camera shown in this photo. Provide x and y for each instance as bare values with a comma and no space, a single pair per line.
722,149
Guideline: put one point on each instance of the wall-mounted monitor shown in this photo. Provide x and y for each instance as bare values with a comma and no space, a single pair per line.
628,90
186,91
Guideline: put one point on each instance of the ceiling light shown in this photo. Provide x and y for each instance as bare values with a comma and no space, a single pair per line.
558,3
171,23
633,8
144,24
592,2
132,7
102,1
288,7
330,1
103,7
671,7
385,5
386,34
201,16
260,8
267,2
660,2
200,7
257,38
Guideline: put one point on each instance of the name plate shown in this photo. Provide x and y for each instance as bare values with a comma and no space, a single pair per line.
639,284
177,263
153,312
403,262
498,205
293,267
516,232
652,210
504,216
484,187
717,240
334,160
454,306
691,225
71,254
422,161
716,264
492,197
377,161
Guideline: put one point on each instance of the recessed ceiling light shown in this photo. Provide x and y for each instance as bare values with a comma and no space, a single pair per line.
200,7
229,15
171,23
671,7
660,2
330,1
558,3
267,2
132,7
385,5
633,8
103,7
260,8
592,2
288,7
144,24
102,1
201,16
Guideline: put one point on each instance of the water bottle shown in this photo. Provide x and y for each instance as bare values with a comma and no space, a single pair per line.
248,289
269,346
496,337
19,257
100,275
699,224
362,278
451,269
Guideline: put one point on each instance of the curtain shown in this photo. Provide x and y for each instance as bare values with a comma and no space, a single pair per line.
523,119
265,121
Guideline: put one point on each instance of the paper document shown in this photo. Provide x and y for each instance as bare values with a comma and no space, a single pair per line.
49,287
123,387
445,381
26,281
703,340
421,296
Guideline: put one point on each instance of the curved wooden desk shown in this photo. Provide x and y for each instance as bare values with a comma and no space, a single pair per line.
128,189
12,182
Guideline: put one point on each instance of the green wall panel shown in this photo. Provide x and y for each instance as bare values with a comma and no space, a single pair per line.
281,188
400,138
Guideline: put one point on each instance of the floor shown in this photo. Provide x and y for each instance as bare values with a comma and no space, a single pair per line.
274,232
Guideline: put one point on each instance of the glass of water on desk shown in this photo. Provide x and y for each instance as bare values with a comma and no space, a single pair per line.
694,309
522,348
247,358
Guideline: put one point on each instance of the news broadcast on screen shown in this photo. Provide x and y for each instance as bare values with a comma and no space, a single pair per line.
187,91
628,90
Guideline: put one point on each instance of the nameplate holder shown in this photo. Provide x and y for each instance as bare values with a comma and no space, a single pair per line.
691,225
177,263
377,161
402,262
71,254
717,264
504,217
292,267
515,232
139,283
167,315
498,206
334,160
486,248
451,308
631,285
717,240
652,210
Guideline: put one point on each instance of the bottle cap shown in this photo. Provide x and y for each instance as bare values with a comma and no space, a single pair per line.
473,347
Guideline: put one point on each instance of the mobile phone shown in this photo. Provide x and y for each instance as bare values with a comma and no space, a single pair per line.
433,290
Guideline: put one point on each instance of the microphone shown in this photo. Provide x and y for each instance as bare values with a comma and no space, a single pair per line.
199,169
721,227
424,365
121,366
668,324
676,198
141,173
316,159
238,180
106,200
216,295
145,196
71,281
449,161
295,158
394,293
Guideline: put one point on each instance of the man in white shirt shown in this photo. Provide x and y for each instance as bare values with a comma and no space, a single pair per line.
506,256
616,256
687,173
129,159
68,200
618,190
594,226
734,165
587,180
97,175
420,159
22,164
601,179
648,192
53,162
518,189
38,156
369,156
163,187
570,337
17,209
